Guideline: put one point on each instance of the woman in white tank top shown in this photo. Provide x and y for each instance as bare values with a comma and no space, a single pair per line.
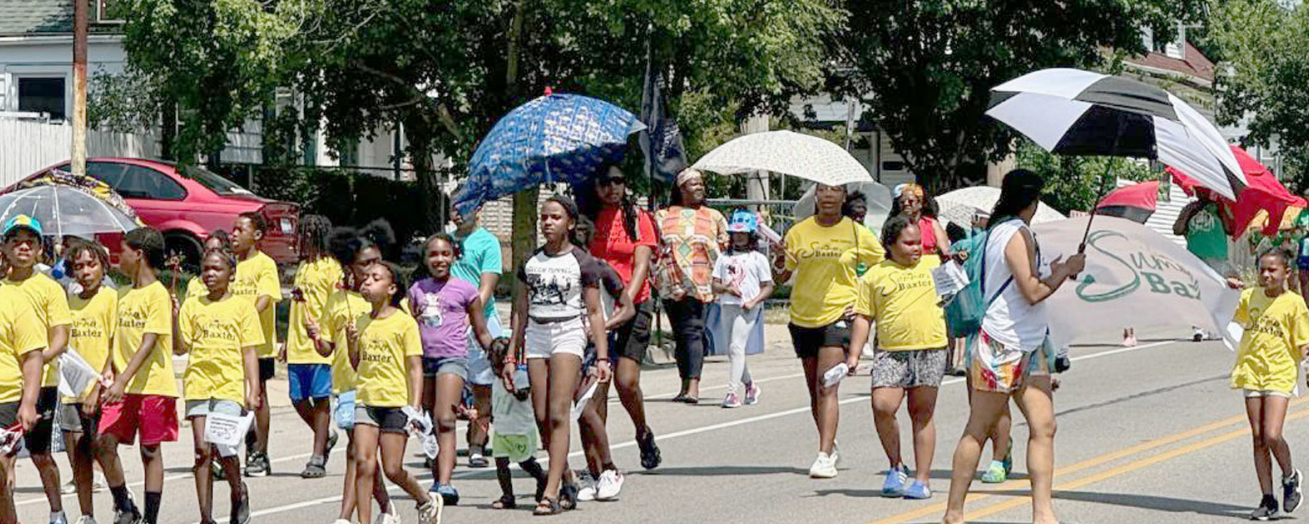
1013,333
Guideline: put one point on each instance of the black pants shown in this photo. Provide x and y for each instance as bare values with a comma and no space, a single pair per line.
687,316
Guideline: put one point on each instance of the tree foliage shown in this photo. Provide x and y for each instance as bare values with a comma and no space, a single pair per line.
1074,183
924,69
1265,77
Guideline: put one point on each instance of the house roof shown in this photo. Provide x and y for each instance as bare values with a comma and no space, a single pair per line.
1195,65
23,17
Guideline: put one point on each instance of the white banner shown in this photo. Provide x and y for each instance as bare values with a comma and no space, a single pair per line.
1134,278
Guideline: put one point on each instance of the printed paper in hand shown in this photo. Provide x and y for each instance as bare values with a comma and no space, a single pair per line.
227,430
75,374
11,440
949,278
582,401
430,445
834,375
419,422
1232,338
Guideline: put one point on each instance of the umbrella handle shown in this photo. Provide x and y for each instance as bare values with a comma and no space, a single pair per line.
1099,195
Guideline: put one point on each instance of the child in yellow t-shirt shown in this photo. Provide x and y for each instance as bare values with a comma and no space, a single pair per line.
23,246
21,342
222,335
898,294
143,396
95,315
386,352
1276,338
256,280
309,373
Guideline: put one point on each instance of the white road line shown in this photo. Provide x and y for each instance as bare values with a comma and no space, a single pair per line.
693,431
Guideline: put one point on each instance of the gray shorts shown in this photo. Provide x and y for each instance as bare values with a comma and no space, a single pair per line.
908,369
203,407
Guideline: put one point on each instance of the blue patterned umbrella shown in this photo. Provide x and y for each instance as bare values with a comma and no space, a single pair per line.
554,138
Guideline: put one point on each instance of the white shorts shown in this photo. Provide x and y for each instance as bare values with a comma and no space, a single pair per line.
548,339
1261,393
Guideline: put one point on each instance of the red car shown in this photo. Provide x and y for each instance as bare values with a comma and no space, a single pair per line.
187,203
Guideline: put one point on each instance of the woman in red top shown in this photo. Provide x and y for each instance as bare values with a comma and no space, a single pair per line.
911,202
625,238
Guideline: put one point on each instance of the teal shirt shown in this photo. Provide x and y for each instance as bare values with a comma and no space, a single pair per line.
1204,234
480,254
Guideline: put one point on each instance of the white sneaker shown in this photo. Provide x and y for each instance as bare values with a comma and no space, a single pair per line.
85,519
392,516
824,467
69,488
430,512
836,453
341,521
610,484
586,486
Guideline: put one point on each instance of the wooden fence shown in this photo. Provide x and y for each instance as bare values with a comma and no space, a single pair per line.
27,146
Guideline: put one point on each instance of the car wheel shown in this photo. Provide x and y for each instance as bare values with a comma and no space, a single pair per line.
187,248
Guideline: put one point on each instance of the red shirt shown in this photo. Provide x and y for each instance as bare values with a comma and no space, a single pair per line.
612,244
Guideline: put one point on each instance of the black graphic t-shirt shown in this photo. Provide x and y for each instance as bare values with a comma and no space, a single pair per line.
554,283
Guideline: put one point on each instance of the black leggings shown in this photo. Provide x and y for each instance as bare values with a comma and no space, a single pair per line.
687,316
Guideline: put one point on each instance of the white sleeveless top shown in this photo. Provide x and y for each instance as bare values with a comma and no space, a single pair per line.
1011,320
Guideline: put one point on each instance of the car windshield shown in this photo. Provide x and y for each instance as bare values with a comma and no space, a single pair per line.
214,181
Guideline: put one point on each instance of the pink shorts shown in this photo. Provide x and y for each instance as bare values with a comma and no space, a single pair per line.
154,416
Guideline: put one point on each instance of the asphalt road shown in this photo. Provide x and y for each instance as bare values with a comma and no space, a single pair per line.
1146,434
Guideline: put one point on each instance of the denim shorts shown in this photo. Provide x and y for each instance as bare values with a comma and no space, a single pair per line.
479,366
432,366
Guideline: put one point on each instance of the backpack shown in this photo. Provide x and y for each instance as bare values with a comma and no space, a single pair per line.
966,309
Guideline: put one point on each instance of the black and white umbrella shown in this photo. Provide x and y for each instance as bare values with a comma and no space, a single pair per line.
1080,113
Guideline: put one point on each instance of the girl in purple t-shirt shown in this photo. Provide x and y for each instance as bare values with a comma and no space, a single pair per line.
444,308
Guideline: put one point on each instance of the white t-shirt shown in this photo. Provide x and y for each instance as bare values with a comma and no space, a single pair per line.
512,416
747,272
1011,320
554,283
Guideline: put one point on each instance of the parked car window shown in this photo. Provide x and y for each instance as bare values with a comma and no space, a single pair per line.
214,181
143,182
107,172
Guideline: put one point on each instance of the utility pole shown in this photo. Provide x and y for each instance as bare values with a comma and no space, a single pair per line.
80,30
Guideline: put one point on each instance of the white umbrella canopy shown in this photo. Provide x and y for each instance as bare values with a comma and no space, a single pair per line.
877,196
64,210
795,154
958,206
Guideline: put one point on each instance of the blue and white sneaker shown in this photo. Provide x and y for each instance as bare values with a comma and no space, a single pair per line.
895,482
449,495
918,491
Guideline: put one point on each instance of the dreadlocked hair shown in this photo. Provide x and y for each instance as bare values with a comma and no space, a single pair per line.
314,232
77,246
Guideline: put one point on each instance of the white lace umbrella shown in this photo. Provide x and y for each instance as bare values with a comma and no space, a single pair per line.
958,206
64,210
876,195
795,154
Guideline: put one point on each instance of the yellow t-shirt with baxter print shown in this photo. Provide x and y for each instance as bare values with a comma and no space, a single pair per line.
384,346
823,262
316,280
94,320
141,311
20,334
340,307
903,302
1275,330
50,302
217,333
255,276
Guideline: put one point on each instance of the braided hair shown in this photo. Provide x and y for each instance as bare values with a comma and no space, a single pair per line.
314,232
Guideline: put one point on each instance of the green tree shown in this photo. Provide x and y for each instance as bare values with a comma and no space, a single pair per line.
1074,183
1265,77
924,69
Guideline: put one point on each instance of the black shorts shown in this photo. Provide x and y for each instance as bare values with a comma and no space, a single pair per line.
807,341
632,339
9,414
38,439
267,368
388,420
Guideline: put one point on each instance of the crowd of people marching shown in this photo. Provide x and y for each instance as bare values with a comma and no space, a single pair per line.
378,355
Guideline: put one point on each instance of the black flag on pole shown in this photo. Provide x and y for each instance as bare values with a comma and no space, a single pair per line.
661,141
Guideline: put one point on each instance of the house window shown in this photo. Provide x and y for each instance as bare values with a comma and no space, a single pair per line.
42,95
107,11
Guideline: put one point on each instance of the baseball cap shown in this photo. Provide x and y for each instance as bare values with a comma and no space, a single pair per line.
23,221
743,222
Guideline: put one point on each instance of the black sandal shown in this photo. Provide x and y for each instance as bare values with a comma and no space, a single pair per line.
546,507
568,497
505,502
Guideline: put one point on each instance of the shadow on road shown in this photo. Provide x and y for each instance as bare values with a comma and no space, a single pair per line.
723,471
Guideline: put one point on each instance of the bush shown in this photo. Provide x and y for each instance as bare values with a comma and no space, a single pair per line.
344,197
